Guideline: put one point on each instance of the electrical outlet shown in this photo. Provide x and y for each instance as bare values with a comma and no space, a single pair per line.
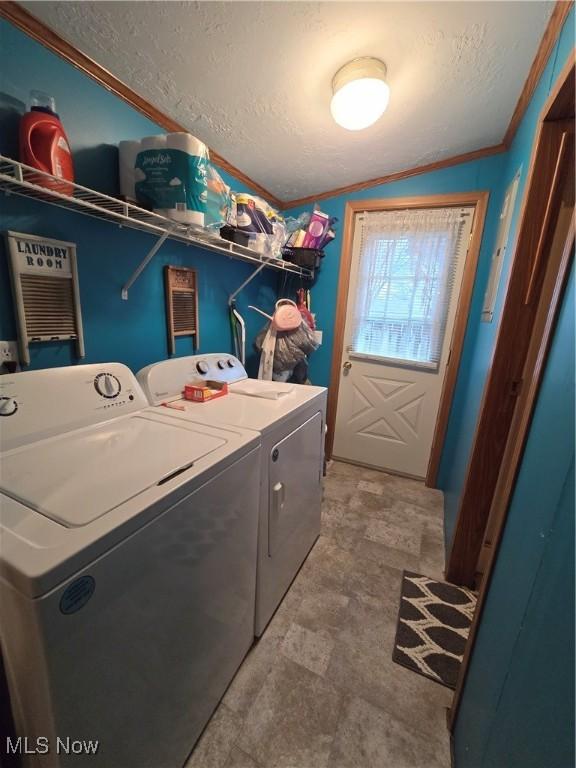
8,352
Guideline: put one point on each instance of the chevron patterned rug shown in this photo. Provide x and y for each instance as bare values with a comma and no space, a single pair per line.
433,625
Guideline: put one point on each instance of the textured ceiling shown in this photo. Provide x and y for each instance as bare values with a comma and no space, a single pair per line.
253,79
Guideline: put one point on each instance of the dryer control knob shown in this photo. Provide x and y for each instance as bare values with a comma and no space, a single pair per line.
231,363
221,364
8,406
202,367
107,385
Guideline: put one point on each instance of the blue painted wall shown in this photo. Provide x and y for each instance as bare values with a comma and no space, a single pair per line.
95,120
517,706
466,406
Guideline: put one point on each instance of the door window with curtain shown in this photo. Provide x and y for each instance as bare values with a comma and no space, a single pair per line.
407,270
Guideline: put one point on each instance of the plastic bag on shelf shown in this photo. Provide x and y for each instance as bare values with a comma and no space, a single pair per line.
219,202
262,223
293,224
310,230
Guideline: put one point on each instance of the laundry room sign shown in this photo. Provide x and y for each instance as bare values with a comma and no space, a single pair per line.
45,289
42,255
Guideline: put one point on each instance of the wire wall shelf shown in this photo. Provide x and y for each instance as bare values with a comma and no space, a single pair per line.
19,179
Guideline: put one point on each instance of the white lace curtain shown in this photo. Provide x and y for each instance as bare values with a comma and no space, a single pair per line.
408,264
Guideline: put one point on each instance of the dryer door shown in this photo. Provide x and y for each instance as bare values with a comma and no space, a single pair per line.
295,472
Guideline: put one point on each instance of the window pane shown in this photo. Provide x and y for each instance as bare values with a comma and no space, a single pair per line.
406,273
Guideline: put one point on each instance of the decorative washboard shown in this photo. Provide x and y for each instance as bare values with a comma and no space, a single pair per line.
45,289
181,305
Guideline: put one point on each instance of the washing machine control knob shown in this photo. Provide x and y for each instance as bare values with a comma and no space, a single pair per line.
231,363
8,406
221,364
202,367
107,385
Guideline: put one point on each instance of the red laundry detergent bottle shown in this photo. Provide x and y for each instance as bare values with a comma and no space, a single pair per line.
44,145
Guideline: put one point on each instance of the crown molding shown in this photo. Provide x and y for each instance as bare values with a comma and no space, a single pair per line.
416,171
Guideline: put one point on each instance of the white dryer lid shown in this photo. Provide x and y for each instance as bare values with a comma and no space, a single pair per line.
260,414
78,477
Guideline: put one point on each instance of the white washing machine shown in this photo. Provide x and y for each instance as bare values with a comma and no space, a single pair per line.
127,567
290,419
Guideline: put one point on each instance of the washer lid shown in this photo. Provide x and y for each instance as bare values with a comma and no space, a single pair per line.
76,478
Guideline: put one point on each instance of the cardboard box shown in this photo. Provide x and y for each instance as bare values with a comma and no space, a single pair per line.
201,391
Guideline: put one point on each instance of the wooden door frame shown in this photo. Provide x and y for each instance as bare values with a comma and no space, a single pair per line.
477,199
548,309
517,325
536,359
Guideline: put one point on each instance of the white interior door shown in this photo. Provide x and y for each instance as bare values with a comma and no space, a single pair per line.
405,279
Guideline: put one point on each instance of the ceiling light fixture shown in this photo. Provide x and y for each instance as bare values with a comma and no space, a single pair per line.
361,93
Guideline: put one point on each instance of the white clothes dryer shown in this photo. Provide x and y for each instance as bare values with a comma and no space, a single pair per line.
290,419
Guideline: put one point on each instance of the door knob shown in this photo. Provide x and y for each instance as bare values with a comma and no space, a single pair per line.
347,365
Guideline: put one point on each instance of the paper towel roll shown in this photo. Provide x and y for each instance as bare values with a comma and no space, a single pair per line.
127,151
185,142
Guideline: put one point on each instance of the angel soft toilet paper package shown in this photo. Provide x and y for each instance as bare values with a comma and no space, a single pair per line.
170,176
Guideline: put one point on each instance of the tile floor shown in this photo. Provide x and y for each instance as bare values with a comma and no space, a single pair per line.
319,689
